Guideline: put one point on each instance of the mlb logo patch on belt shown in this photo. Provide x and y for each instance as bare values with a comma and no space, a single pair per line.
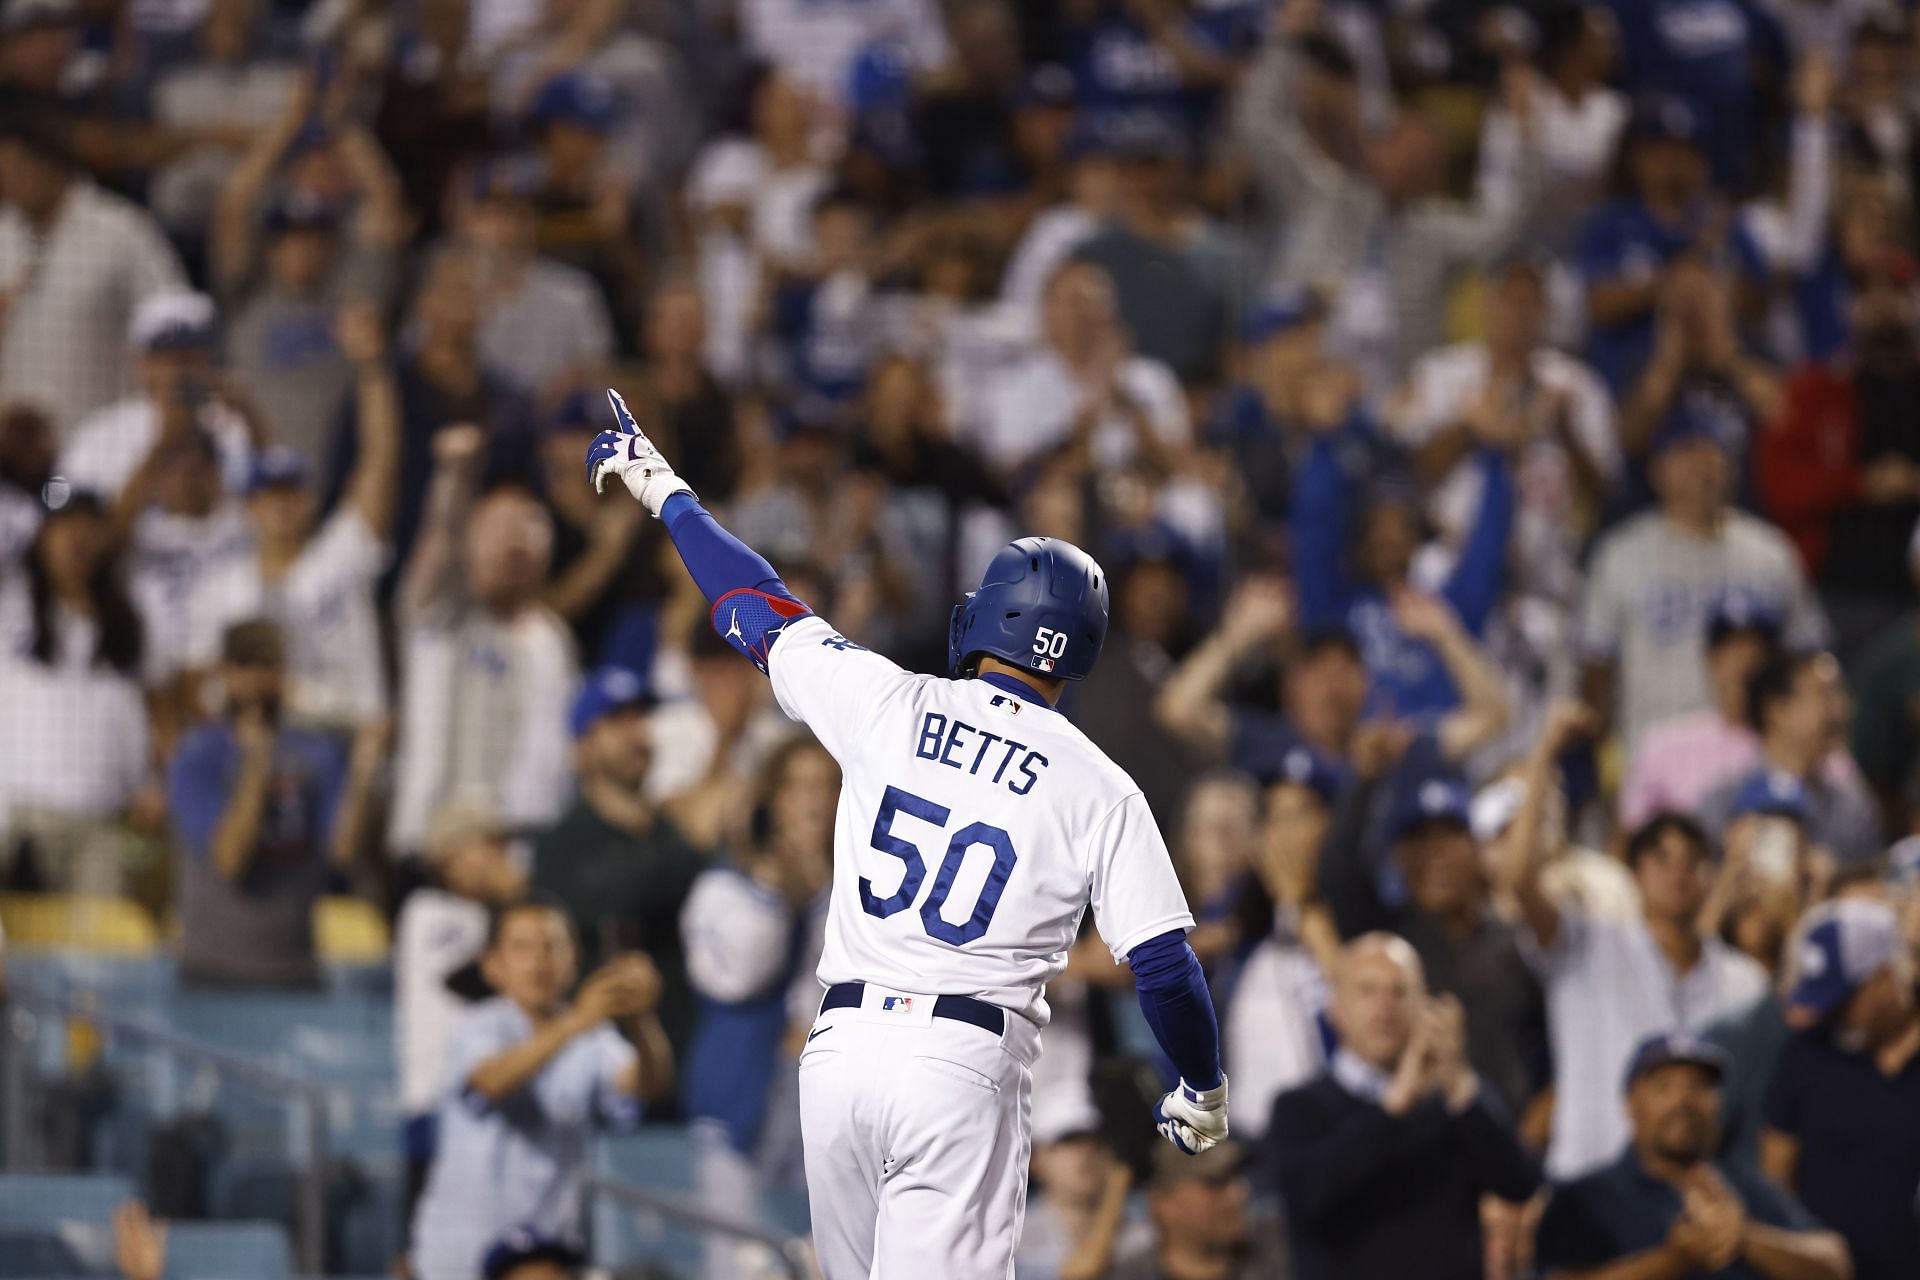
896,1004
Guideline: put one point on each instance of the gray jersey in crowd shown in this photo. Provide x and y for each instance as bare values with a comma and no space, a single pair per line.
1650,590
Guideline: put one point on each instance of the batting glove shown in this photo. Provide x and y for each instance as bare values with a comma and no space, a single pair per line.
628,453
1193,1119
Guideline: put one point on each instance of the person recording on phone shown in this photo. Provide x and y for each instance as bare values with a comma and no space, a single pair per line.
1798,704
1769,867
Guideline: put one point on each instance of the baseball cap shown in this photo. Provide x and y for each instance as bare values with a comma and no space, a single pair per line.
1219,1164
1301,766
607,690
1838,946
1496,805
302,211
176,321
1685,424
1737,614
459,819
521,1245
574,99
1059,1114
1279,314
1664,118
1433,800
1669,1047
277,466
1771,792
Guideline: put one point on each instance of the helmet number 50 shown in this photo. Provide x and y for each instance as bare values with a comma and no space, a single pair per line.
1050,643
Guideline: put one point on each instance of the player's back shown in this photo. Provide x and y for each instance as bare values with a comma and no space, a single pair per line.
975,825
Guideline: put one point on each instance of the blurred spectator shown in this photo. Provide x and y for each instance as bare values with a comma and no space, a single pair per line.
523,1255
1685,757
1466,950
487,670
818,41
684,400
1354,561
1258,423
1665,1207
1383,1159
599,565
1178,279
75,263
1078,1219
963,118
1840,469
1798,705
1202,1224
1770,867
1362,207
1271,1036
1514,393
1662,218
1886,735
443,381
26,465
1656,578
1612,983
181,389
228,80
1083,387
1165,60
265,812
286,259
720,737
1090,198
437,940
541,323
821,314
620,867
317,584
529,1079
1843,1113
753,935
73,744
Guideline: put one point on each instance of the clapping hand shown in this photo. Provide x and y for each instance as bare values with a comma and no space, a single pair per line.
624,987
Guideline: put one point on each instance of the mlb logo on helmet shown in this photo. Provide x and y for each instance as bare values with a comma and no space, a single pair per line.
896,1004
1043,664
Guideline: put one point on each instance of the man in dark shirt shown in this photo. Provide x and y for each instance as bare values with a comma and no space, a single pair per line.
1202,1225
1665,1210
1383,1159
1843,1112
620,868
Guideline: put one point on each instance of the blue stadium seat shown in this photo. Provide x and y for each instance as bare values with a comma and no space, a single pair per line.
228,1251
86,1198
31,1251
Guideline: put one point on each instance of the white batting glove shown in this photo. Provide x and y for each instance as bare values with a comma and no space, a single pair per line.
628,454
1193,1119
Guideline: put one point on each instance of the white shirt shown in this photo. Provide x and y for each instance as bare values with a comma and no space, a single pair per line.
1443,387
1269,1032
1575,142
73,738
1049,241
738,934
110,444
974,828
63,340
436,935
325,607
1031,409
779,202
1609,986
172,556
817,41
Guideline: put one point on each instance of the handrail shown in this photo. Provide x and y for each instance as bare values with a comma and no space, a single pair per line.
311,1094
795,1258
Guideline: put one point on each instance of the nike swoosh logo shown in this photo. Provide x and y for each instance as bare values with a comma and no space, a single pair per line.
822,1031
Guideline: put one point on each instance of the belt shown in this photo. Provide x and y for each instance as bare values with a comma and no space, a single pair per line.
987,1017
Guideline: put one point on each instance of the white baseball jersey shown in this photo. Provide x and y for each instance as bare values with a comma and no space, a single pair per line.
974,827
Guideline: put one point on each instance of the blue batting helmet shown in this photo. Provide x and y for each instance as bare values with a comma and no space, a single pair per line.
1042,606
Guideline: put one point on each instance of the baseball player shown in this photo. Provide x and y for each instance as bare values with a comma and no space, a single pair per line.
975,825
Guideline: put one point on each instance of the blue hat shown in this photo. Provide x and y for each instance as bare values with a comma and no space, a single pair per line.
1771,792
1665,118
1669,1047
579,411
278,466
1278,314
607,690
574,99
1047,85
1736,613
302,211
521,1245
1301,766
1838,946
1686,423
1436,799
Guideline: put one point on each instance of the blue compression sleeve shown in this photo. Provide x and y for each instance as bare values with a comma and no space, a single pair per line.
1173,995
750,603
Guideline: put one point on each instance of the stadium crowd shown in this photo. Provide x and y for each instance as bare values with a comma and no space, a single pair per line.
1500,420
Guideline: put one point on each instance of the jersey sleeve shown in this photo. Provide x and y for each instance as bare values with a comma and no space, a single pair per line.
1135,893
830,684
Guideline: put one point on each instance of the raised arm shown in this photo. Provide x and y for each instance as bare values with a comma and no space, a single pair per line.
237,206
363,337
1482,713
1189,704
433,570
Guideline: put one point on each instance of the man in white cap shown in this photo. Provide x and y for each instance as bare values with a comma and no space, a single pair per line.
1843,1113
180,390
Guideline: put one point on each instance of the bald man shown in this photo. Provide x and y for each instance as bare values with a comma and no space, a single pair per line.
1383,1158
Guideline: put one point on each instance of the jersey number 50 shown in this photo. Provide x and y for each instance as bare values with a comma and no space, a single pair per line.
897,801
